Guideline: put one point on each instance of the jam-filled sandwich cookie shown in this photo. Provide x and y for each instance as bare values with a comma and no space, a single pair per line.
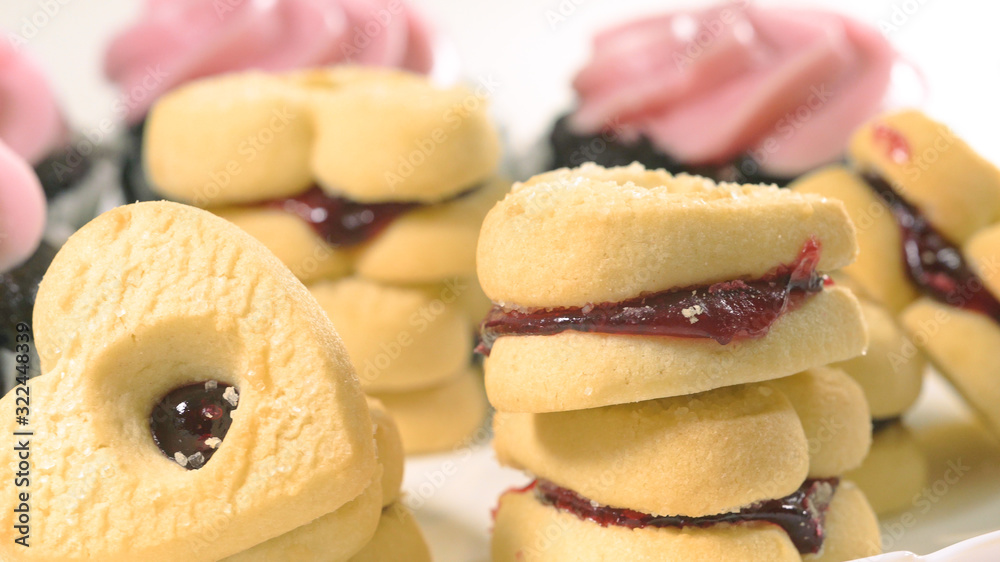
917,193
166,338
961,335
728,474
334,169
621,284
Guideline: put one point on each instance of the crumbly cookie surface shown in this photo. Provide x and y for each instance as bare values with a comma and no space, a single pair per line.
371,135
145,299
695,455
595,235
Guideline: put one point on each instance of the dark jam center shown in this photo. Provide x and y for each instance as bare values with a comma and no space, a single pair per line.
190,422
339,221
732,310
343,223
800,514
935,265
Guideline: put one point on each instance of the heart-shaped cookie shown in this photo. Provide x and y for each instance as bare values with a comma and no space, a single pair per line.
154,297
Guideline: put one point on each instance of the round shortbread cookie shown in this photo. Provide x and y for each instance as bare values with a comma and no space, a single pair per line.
574,370
335,536
371,135
432,243
397,539
894,472
953,186
879,269
587,235
891,372
528,531
389,446
294,242
438,418
692,455
963,345
399,338
236,138
403,141
149,298
835,417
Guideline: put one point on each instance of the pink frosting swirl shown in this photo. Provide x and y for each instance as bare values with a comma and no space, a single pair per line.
786,85
22,209
176,41
31,122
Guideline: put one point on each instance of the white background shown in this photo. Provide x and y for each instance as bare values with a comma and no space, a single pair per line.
530,49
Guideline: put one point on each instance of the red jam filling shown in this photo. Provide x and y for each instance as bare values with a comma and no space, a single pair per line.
343,223
727,311
935,265
896,146
190,422
801,514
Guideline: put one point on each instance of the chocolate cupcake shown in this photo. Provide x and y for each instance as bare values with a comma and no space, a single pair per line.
735,92
176,42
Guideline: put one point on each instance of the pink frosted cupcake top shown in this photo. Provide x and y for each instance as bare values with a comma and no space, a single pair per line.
22,209
176,41
786,85
31,122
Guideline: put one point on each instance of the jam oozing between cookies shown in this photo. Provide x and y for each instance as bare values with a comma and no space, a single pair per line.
802,514
190,422
935,265
727,311
344,223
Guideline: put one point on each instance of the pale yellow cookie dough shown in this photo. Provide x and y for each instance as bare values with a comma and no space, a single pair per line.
879,269
963,345
389,445
953,186
593,235
528,531
891,372
236,138
371,135
835,417
397,539
294,242
399,338
438,418
574,370
333,537
692,455
432,243
894,472
142,300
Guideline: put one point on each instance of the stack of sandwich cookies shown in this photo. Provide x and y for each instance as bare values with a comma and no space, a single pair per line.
926,202
371,186
163,334
655,461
